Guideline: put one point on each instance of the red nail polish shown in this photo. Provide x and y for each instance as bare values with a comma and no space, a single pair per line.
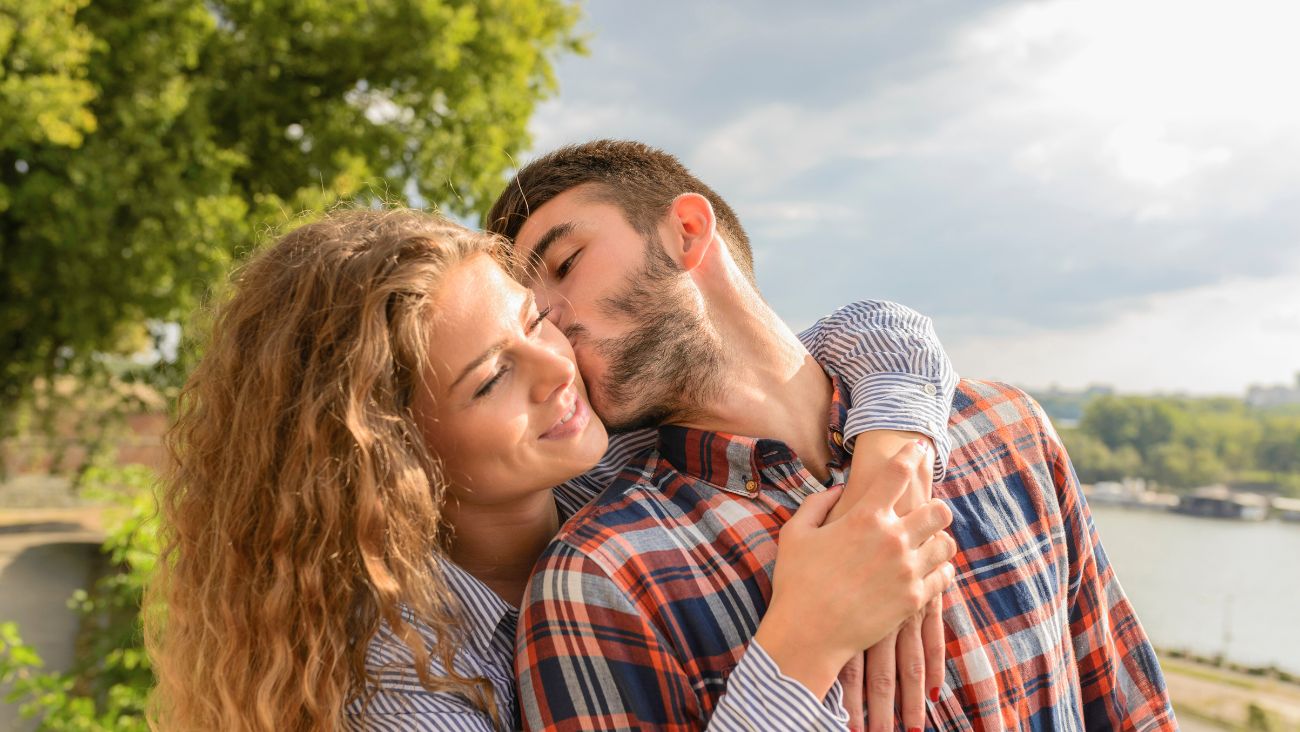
913,729
934,694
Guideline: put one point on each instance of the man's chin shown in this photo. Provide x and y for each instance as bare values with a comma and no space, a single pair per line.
614,419
639,417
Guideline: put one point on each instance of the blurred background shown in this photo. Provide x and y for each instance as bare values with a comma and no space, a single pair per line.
1097,201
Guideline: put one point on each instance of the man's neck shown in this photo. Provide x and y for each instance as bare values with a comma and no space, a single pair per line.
771,386
500,543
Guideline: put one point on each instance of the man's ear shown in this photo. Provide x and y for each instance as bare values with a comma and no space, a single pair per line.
695,226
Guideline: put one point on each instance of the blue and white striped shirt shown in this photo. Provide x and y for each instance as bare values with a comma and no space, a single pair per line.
899,378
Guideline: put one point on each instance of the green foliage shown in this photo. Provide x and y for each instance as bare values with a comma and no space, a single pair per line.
144,143
1259,718
44,92
1127,421
108,687
1185,443
1180,465
1094,461
1278,450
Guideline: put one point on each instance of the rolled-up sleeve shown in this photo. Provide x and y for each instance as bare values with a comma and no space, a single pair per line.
898,375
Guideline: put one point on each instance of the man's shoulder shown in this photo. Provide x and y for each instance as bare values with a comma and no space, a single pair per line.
607,531
989,413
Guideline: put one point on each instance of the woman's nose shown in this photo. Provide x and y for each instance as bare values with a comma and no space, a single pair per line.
555,373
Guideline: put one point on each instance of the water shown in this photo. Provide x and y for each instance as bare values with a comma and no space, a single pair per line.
1210,586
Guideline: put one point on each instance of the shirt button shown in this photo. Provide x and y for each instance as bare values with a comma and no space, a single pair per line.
751,487
837,437
929,389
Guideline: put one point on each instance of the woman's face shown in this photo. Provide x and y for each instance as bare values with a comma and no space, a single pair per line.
506,410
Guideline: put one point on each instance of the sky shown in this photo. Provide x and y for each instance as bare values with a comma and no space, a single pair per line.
1076,193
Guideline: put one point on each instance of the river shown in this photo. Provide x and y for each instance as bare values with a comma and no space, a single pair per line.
1210,586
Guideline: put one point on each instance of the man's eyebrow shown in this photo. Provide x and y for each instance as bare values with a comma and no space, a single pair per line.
495,348
554,234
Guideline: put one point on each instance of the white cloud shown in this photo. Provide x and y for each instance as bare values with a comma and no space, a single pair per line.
1213,339
1054,172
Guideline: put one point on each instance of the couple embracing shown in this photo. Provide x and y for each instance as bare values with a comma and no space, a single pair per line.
574,473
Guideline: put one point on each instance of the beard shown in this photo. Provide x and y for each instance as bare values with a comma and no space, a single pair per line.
669,365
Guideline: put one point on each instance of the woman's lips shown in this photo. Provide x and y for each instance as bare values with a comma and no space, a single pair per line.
571,423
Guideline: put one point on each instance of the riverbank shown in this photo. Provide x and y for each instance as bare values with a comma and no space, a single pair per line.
1211,697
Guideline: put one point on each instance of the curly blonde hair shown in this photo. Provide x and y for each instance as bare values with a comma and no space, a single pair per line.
303,507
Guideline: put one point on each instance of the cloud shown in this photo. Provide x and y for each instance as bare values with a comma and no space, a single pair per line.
1011,167
1212,339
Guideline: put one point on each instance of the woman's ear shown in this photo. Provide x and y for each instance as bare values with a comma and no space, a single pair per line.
695,225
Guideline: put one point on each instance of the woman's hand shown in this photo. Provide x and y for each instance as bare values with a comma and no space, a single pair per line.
842,587
907,665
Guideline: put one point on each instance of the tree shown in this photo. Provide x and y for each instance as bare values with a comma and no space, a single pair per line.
1279,450
1176,465
1094,461
145,143
1142,423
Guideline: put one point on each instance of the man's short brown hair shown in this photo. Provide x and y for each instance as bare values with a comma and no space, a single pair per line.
639,179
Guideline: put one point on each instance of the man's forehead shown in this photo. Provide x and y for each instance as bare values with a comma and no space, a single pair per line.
573,210
572,200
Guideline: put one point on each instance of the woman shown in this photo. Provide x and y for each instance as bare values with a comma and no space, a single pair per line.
323,521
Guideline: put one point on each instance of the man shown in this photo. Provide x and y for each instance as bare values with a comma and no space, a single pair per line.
649,596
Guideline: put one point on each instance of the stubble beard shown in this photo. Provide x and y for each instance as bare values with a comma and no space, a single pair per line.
668,366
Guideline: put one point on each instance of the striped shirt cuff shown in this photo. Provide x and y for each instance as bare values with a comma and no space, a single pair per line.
906,402
759,696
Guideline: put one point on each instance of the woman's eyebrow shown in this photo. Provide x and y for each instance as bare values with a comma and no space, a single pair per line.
497,347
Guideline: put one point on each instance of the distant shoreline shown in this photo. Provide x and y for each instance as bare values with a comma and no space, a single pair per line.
1228,697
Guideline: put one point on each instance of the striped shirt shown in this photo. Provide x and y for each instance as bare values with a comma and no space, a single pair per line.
648,598
900,378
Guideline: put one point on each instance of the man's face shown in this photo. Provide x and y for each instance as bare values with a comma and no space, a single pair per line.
626,306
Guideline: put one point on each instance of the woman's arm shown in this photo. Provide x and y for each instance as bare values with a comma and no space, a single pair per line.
889,357
901,385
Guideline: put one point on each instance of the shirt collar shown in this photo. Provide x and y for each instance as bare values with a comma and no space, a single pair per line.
741,465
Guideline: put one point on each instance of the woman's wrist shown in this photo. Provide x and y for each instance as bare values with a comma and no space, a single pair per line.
800,656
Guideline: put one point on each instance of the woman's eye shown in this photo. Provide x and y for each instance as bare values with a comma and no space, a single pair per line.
540,317
566,266
491,383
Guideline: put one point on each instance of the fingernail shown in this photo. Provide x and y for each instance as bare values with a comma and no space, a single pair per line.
921,447
913,729
934,694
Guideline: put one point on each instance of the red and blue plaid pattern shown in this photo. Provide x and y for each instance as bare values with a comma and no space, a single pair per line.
649,596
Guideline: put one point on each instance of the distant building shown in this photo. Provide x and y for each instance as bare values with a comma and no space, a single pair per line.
1288,509
1129,493
1218,501
1274,396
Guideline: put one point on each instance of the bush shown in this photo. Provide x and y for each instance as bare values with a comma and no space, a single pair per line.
108,686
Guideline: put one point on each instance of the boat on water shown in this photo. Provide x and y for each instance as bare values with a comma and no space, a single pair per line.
1219,501
1288,509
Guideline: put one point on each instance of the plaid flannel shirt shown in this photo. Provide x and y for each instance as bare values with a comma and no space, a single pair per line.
649,596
